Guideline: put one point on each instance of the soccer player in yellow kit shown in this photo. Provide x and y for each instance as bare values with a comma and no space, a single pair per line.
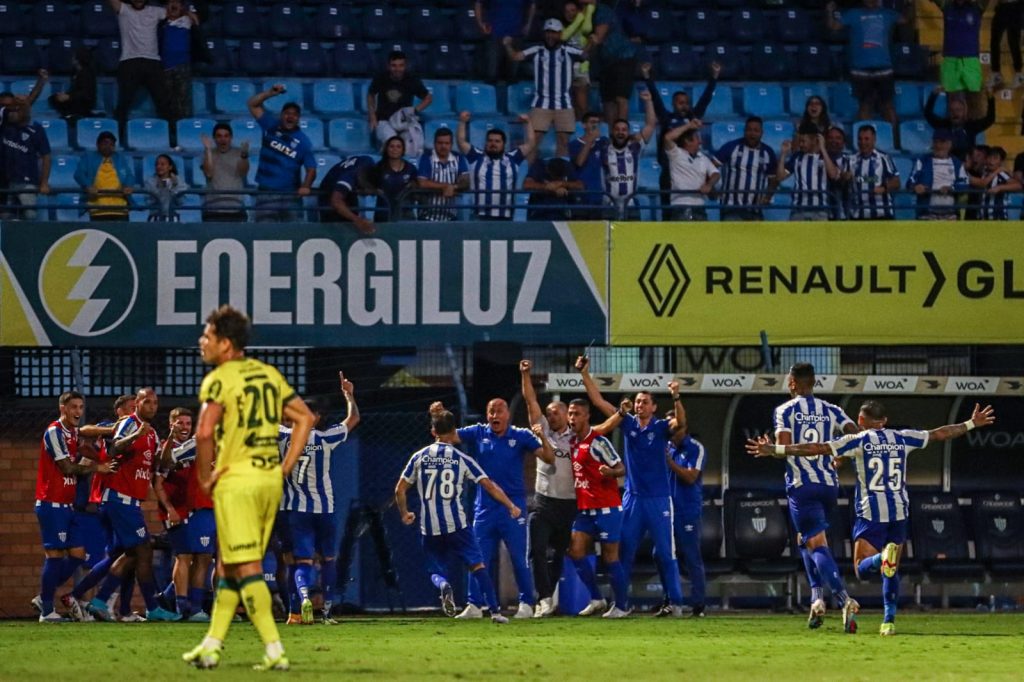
243,401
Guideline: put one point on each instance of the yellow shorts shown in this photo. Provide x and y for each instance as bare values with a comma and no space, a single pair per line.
245,509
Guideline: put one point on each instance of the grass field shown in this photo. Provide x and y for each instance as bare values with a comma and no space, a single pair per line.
721,647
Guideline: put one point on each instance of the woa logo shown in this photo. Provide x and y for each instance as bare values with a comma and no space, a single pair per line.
88,282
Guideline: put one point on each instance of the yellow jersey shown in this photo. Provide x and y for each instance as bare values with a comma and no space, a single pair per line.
253,395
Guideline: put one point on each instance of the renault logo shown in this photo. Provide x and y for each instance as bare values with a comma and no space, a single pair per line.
664,280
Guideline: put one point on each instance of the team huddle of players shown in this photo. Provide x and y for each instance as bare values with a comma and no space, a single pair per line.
93,479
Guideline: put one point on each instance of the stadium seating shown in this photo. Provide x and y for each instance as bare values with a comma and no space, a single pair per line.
287,21
19,55
721,105
190,132
333,97
52,19
69,208
998,524
350,135
59,54
306,58
427,25
908,101
442,99
431,127
757,534
12,19
725,131
258,57
87,129
231,96
910,61
940,536
335,22
679,62
775,132
798,95
813,61
56,133
843,104
221,58
794,27
147,134
770,62
198,178
701,26
466,28
476,98
413,62
763,100
447,60
734,62
712,536
62,170
380,23
520,95
324,163
241,20
246,130
746,26
658,25
353,58
479,126
97,20
915,136
314,130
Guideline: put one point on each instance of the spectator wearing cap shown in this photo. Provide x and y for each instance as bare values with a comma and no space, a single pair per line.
964,130
25,156
550,182
936,178
286,151
107,177
552,83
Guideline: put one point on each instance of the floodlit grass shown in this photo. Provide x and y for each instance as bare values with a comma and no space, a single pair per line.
937,646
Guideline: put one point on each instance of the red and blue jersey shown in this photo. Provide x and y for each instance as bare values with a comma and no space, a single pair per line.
594,490
502,458
135,469
184,455
176,483
52,485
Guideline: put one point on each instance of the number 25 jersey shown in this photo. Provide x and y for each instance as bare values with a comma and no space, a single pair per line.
880,458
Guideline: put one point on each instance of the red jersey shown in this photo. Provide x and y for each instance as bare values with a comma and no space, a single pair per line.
99,481
176,485
197,499
135,472
593,489
59,442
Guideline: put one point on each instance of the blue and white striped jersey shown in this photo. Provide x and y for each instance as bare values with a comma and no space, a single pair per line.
993,206
439,472
448,171
870,171
552,75
495,179
880,457
745,172
309,487
621,166
810,180
810,420
184,454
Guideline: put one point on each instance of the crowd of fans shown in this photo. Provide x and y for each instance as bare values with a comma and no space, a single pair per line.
589,174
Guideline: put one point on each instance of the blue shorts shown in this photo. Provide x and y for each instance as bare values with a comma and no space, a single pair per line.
878,534
57,525
177,536
313,534
810,507
604,525
125,519
93,534
461,544
202,532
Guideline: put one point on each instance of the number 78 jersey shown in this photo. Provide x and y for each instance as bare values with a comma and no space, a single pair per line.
439,472
880,457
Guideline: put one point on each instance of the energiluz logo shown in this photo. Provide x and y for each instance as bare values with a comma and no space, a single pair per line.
88,282
664,280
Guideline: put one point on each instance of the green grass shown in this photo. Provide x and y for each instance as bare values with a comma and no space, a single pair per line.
721,647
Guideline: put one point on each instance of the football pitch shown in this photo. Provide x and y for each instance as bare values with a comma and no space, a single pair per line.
936,646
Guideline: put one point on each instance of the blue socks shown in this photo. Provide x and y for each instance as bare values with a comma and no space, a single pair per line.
183,605
828,570
869,566
439,581
303,578
620,583
71,564
294,601
196,596
890,597
328,582
50,579
587,577
109,586
811,568
93,578
486,586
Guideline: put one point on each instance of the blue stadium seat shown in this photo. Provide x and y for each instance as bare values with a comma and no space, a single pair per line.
477,98
149,165
241,20
306,58
52,19
799,94
198,177
478,128
56,133
915,136
334,22
87,129
294,91
701,26
794,27
910,61
199,98
19,55
814,62
734,62
222,58
12,19
191,130
190,210
287,20
770,62
232,96
428,25
520,96
62,170
333,97
381,23
725,131
442,99
884,128
746,26
324,163
658,24
23,86
678,61
466,28
349,135
447,60
775,132
353,58
648,179
69,207
905,202
247,130
843,104
908,100
108,55
763,100
721,105
314,129
98,20
412,55
147,134
60,53
257,57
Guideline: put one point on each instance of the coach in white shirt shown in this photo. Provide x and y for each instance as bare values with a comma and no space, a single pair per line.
691,171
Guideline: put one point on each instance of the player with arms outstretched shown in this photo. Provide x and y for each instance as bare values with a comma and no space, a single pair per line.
243,401
439,472
879,455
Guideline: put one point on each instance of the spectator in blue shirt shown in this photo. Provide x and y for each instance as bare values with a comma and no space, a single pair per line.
176,56
25,154
392,175
497,20
589,166
286,151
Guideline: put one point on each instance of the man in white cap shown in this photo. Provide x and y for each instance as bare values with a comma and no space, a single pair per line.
552,83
